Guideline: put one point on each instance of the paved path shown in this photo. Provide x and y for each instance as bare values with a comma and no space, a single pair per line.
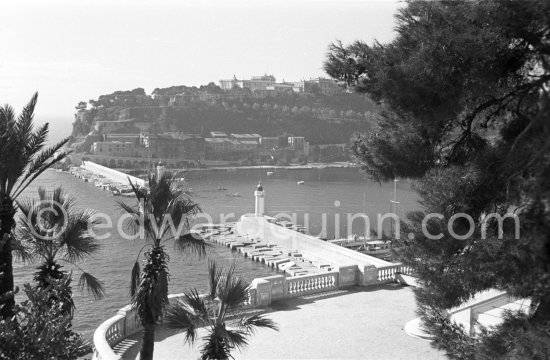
355,324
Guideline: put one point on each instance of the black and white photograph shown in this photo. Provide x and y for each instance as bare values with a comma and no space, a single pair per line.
275,179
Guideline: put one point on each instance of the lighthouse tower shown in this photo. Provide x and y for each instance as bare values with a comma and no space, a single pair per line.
260,200
161,169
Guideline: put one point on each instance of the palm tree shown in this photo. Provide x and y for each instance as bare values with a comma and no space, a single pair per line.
53,231
162,214
22,159
220,311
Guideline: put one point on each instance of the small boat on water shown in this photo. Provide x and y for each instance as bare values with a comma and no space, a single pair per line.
126,191
234,195
377,248
221,188
301,182
270,173
184,188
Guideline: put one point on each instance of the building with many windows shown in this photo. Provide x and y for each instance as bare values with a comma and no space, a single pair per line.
174,146
325,86
255,83
299,144
113,148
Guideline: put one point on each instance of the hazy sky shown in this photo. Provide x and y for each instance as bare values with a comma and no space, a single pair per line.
76,50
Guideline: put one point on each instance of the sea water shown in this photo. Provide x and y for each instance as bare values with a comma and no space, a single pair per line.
323,202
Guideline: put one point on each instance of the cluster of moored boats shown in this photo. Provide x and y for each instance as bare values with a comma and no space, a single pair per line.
290,262
101,182
377,248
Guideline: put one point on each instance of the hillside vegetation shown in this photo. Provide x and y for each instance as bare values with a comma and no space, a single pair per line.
321,119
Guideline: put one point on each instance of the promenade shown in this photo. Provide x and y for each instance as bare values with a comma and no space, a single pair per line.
357,323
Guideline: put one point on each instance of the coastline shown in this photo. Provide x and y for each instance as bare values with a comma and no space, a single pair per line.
341,164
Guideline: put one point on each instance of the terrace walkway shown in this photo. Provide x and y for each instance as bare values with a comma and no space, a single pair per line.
358,323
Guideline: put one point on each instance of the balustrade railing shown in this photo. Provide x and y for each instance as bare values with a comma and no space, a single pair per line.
107,334
387,273
312,283
125,324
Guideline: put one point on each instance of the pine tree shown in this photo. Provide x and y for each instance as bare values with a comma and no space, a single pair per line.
464,110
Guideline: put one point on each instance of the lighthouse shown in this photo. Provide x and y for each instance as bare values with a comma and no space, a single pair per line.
260,200
161,169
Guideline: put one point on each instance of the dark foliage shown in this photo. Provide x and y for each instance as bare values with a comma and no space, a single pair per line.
23,157
40,328
322,119
464,92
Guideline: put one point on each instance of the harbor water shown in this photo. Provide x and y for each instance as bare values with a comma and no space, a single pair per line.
322,203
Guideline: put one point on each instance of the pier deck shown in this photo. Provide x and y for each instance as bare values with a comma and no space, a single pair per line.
352,324
273,255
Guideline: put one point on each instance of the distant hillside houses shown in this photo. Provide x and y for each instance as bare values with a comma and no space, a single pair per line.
236,148
267,83
316,108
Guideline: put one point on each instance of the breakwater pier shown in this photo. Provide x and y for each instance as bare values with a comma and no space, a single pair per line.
109,174
307,266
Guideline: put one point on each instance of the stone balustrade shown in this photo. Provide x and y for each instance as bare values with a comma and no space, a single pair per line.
125,323
311,283
113,331
261,293
278,287
387,273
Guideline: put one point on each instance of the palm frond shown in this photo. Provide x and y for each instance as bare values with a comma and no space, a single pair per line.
181,208
25,232
21,251
37,141
233,292
77,241
218,343
25,120
160,197
137,190
195,301
191,243
235,338
214,275
41,163
138,219
11,166
42,194
134,279
129,209
178,317
251,323
28,231
92,285
26,206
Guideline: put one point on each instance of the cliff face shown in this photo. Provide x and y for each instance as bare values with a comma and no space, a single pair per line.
321,119
84,143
